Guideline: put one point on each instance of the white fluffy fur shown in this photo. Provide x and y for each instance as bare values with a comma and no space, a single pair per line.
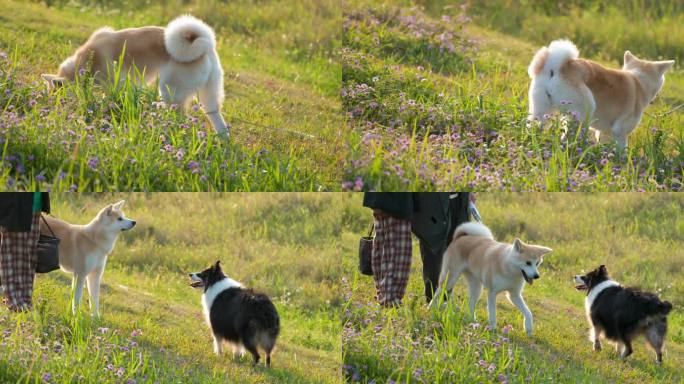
210,295
559,51
177,43
548,88
589,301
473,229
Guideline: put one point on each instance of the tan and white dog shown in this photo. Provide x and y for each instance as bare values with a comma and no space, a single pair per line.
183,56
610,100
83,249
474,253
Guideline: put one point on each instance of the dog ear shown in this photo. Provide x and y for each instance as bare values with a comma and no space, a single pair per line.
545,250
108,210
217,265
628,57
53,81
517,244
119,204
602,269
664,65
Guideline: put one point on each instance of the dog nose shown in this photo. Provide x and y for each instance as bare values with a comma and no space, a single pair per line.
536,276
132,223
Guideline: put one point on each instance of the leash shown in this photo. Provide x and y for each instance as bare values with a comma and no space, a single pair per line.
277,129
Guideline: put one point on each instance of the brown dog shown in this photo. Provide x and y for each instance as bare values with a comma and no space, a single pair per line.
611,101
183,56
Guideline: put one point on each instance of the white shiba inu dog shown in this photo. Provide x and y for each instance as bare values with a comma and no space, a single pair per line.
611,101
83,249
183,56
498,266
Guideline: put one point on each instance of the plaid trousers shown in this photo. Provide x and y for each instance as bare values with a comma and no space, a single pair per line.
18,259
391,258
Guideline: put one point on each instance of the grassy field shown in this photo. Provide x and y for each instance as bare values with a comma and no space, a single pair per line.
638,237
282,80
152,329
436,95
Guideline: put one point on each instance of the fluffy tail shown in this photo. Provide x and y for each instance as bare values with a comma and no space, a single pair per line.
549,60
473,228
665,307
188,38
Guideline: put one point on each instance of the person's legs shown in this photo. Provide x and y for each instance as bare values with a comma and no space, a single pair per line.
391,258
18,265
432,264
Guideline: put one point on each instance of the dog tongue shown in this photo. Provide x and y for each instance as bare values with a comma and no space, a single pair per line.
580,287
196,284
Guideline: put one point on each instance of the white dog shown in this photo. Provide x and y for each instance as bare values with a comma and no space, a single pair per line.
83,249
183,56
611,100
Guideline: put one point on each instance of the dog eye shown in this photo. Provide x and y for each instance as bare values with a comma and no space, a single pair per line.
119,219
528,263
552,73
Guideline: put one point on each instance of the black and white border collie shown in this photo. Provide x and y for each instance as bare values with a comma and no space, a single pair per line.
621,313
241,317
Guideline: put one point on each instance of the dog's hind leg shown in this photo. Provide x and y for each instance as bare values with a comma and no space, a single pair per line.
626,348
451,277
655,336
93,280
475,290
210,96
517,300
491,307
77,290
540,102
250,346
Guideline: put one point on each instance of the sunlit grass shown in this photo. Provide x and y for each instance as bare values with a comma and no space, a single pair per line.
281,86
437,102
415,345
152,328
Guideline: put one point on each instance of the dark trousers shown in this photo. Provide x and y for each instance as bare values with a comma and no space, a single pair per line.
432,261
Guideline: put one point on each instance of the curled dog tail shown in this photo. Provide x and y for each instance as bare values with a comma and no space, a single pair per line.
188,38
549,60
473,229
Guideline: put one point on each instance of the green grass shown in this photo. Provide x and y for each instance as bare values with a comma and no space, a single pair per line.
437,97
281,82
282,244
637,236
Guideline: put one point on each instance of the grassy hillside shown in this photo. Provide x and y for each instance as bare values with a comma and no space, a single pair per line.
152,329
436,95
281,81
638,237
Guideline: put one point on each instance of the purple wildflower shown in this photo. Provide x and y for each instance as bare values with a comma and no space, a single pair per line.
93,162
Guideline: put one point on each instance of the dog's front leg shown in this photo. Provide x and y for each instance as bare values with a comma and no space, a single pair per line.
218,345
491,306
594,334
93,280
518,301
77,290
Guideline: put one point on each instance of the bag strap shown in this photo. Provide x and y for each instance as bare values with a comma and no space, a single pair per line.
48,225
372,228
